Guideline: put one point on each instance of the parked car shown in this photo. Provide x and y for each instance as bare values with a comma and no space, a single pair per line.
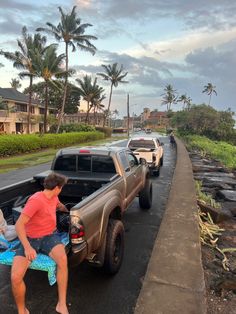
149,148
148,131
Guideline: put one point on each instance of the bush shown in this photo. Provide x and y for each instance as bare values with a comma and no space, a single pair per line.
72,127
18,144
222,151
107,131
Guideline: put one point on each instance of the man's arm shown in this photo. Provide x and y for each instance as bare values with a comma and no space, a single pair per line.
62,207
30,253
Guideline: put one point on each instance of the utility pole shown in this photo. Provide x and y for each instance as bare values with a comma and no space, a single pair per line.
128,115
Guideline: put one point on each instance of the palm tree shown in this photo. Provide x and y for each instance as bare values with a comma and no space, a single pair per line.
48,65
98,106
15,83
186,101
209,89
90,92
71,32
23,60
169,97
115,76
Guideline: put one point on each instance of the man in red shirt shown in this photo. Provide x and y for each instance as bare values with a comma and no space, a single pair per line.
36,228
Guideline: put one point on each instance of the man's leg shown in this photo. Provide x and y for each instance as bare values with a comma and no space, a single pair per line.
19,267
58,254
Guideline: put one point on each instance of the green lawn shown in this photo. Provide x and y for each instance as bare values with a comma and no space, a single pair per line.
33,159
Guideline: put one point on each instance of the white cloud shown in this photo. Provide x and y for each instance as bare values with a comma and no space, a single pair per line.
176,49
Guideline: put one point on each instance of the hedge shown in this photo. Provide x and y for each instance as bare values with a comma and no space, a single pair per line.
18,144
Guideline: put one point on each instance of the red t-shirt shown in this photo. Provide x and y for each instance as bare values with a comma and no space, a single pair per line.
42,213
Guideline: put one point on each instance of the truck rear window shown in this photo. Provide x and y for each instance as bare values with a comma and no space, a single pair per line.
142,143
65,163
86,163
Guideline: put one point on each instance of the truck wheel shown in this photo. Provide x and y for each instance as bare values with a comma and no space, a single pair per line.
161,161
114,247
145,196
156,172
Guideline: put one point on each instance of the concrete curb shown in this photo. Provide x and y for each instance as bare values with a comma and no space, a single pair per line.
174,281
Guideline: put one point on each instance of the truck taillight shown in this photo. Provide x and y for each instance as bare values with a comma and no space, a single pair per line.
154,157
77,232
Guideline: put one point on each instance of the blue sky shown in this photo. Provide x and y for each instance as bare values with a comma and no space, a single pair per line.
185,43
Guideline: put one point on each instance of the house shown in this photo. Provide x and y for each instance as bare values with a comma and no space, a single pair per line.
14,112
156,119
96,118
147,119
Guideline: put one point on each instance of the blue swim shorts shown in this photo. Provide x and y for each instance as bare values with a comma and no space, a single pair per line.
42,245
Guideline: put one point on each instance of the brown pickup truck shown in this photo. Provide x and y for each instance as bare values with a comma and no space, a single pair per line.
102,183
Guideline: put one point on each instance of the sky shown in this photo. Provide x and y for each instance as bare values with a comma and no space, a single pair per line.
185,43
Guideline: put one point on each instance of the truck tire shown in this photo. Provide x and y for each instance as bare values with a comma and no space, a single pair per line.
114,247
156,171
145,196
161,161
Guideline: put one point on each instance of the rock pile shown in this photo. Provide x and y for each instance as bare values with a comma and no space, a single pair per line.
217,181
220,183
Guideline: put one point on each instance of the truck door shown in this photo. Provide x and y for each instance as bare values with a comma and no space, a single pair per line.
130,163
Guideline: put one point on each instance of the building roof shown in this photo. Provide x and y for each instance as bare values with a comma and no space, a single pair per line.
15,95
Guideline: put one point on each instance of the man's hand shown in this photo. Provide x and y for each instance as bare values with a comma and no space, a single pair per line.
62,208
30,253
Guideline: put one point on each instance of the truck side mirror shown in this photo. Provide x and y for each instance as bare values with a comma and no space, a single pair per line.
142,161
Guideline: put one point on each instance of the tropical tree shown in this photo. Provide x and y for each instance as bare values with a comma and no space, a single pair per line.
98,106
55,92
90,91
185,100
23,59
209,89
15,83
169,97
115,75
72,33
47,66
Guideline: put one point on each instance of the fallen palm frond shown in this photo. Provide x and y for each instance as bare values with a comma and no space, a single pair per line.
208,236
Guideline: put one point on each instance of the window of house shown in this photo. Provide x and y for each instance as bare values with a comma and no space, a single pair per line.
21,107
41,110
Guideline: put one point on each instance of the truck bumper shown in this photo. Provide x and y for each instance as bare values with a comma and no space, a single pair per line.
77,254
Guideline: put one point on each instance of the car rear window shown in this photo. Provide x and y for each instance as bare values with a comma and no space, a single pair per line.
141,143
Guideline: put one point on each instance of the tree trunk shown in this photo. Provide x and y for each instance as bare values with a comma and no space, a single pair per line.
87,114
29,104
209,100
108,108
46,109
65,92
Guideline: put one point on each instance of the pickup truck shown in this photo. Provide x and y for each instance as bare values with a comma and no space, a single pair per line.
149,148
102,183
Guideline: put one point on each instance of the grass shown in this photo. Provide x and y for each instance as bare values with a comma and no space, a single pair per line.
36,158
221,151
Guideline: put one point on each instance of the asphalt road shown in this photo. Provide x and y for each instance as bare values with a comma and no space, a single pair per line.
89,290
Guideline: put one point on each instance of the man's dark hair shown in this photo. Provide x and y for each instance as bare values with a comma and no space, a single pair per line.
53,180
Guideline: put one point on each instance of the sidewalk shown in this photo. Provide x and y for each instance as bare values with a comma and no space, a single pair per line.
174,281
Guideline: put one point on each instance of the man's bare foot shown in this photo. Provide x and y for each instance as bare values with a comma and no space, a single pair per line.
62,309
26,311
